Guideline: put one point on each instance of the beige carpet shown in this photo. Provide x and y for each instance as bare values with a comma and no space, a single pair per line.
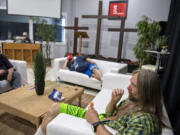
11,125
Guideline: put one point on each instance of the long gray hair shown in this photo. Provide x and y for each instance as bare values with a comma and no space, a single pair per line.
149,92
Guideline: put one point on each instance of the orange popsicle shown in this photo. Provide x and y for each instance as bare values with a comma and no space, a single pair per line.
91,104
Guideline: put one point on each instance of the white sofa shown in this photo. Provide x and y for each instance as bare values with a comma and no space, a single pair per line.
82,79
65,124
21,67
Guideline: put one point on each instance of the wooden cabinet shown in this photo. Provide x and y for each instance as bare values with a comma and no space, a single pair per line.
21,51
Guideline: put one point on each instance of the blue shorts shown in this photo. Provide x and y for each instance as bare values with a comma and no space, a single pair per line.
90,69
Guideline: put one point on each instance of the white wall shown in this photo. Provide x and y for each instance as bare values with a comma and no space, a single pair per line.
155,9
2,4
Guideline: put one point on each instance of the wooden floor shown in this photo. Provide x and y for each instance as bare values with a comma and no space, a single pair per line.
11,125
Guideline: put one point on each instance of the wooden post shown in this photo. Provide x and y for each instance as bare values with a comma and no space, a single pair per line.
75,28
81,35
80,44
121,36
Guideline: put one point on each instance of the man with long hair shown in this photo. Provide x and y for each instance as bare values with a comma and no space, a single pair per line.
139,114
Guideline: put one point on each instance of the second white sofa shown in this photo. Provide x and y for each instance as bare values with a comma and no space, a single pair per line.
65,124
82,79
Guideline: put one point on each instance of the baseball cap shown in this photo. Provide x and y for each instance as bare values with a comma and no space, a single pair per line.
69,56
24,33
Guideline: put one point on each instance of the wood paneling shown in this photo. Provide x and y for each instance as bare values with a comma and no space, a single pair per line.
20,51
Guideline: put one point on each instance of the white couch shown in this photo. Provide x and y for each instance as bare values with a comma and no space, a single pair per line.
21,67
82,79
65,124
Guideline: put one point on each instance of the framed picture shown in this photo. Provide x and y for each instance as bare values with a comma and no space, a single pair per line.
118,8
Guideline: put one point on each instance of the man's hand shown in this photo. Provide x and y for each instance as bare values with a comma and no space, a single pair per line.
116,95
65,64
9,77
91,115
2,71
90,61
67,60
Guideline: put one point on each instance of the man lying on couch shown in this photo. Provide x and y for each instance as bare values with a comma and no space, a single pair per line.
84,65
140,113
7,72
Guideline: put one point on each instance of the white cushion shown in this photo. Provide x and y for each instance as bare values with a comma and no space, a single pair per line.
106,66
70,125
21,67
113,81
79,78
80,126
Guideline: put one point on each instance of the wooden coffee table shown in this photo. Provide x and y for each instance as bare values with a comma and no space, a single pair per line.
24,103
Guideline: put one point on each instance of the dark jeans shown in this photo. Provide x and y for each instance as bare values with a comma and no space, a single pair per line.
16,79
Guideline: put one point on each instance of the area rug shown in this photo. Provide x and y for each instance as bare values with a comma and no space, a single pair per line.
12,125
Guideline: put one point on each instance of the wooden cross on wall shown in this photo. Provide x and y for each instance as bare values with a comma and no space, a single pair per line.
121,36
99,17
75,28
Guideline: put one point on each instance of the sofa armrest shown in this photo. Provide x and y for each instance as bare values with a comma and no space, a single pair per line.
115,80
65,124
121,68
57,64
21,67
114,70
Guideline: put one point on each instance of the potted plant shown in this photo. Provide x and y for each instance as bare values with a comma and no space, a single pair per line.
162,43
148,34
46,33
39,73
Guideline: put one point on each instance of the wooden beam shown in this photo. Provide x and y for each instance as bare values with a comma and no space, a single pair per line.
75,28
125,30
121,36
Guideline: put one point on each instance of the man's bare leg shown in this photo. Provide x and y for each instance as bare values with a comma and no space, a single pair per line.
50,115
97,74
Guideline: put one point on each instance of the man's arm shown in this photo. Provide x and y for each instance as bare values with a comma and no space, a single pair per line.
90,61
116,96
65,64
10,73
2,71
92,117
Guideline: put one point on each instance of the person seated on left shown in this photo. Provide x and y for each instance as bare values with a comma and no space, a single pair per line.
25,38
8,73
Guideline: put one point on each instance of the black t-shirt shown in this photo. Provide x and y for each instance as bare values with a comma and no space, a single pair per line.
27,40
5,65
80,64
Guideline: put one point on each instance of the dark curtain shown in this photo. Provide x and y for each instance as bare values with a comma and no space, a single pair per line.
171,79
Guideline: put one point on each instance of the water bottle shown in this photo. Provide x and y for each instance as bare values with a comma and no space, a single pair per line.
58,79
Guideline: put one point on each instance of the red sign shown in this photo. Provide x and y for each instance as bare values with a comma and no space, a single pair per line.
118,8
